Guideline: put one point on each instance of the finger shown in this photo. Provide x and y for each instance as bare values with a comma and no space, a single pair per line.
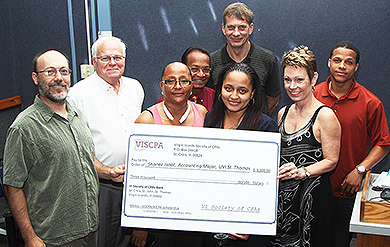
343,188
283,176
232,236
349,191
243,236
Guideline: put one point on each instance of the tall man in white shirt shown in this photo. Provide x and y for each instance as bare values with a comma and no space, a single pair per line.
111,102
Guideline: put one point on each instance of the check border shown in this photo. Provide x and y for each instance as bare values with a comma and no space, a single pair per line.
199,220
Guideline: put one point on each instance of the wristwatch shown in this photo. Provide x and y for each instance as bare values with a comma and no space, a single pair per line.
361,169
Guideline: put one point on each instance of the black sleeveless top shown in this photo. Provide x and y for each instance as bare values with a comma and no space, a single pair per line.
305,215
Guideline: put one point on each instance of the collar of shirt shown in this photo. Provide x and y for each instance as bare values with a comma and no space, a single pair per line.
226,59
352,93
107,86
200,94
47,113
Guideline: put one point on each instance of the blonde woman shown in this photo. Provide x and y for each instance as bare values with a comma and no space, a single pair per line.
309,151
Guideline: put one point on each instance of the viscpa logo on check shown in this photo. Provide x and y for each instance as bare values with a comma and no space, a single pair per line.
149,145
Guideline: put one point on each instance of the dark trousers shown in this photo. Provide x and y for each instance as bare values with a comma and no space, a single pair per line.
110,233
343,210
170,238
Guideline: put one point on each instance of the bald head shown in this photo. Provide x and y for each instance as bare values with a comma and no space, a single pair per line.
174,68
50,54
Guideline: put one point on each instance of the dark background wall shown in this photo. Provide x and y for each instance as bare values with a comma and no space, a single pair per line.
28,27
157,32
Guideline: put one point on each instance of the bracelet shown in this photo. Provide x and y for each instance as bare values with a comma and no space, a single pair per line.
307,173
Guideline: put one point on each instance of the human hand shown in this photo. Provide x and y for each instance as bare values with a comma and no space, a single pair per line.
34,242
235,236
288,171
139,237
117,173
351,183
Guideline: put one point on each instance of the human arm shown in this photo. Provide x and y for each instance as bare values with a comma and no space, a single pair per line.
327,131
378,132
235,236
18,206
105,172
272,84
202,110
353,180
145,118
272,103
280,114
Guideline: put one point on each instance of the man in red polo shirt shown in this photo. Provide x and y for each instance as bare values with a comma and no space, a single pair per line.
362,118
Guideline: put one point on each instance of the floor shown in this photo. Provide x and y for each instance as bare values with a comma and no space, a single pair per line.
4,209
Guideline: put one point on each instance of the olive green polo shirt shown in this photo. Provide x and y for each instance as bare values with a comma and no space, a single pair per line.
52,159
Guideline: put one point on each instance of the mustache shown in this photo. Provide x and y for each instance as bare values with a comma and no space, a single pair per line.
58,83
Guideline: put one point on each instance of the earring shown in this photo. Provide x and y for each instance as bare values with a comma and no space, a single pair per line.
313,88
251,102
220,98
162,93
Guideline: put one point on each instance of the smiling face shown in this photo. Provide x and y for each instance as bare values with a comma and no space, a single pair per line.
54,88
176,93
199,60
237,31
297,83
112,70
342,65
236,91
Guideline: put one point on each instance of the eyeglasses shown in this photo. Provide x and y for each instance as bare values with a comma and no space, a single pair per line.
106,59
50,72
172,82
196,70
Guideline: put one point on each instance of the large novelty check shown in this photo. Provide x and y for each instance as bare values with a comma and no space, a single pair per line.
201,179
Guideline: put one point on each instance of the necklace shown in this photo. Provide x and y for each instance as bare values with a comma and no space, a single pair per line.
235,126
183,118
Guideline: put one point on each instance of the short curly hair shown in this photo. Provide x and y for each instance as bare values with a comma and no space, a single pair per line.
302,57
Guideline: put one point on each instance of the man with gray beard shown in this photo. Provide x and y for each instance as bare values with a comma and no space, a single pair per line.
50,179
